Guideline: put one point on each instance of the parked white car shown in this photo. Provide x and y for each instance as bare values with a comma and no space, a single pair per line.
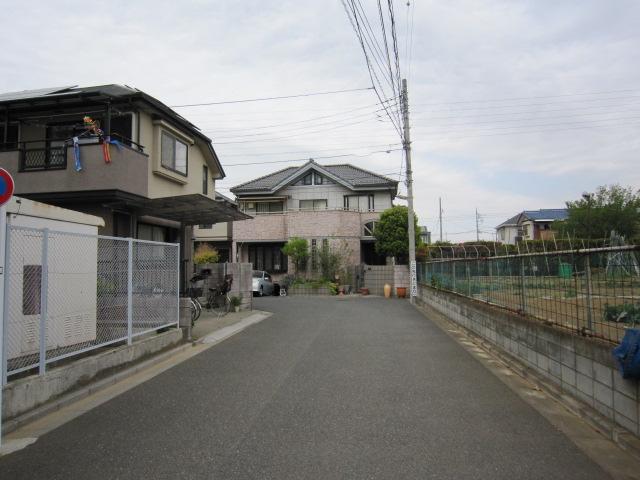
262,283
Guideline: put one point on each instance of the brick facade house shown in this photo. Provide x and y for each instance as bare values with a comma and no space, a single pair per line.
334,205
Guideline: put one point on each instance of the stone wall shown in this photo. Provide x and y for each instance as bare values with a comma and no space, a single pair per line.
580,366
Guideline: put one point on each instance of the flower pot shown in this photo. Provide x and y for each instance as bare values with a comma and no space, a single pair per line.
387,290
401,292
364,291
236,308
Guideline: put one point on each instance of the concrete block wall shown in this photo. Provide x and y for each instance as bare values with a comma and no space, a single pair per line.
375,276
241,285
580,366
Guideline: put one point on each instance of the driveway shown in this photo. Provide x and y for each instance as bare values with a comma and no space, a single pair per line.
327,388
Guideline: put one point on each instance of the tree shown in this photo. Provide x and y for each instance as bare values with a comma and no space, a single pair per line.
205,254
297,249
392,238
596,214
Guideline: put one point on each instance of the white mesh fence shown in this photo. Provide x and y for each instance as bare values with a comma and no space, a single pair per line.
84,292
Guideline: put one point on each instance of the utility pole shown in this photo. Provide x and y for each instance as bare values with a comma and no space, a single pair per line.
477,227
440,217
406,143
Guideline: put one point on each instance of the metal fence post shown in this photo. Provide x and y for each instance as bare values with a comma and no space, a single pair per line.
130,292
44,290
5,306
453,280
490,262
523,293
178,285
587,268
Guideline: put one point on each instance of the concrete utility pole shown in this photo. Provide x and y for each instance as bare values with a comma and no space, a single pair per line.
406,143
440,217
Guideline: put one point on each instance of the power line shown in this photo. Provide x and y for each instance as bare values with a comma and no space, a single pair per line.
527,112
505,99
307,151
315,158
372,73
486,107
263,99
538,131
275,139
303,127
322,117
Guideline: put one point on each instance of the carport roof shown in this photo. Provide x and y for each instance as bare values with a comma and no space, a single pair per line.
193,209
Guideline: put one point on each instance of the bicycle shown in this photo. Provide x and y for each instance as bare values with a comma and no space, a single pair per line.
218,299
194,294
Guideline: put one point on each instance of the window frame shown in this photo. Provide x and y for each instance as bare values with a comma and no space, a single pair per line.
175,140
205,180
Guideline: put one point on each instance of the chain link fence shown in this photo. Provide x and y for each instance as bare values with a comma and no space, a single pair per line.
592,292
69,293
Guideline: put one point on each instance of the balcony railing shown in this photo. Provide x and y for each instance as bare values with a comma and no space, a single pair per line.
34,159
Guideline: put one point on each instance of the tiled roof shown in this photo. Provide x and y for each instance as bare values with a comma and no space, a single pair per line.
513,221
547,214
265,182
352,176
536,215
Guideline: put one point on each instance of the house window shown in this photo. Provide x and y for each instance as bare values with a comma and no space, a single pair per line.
308,179
359,203
372,204
502,234
318,179
31,289
269,207
268,257
205,226
174,154
205,180
369,229
320,204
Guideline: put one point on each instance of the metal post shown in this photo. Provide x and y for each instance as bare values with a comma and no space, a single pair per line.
410,217
130,292
490,262
523,296
178,287
587,268
3,304
6,279
44,289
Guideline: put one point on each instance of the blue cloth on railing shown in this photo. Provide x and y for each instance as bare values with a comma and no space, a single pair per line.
627,354
76,154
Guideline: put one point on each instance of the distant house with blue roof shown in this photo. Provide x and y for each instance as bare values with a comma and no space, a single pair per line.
530,225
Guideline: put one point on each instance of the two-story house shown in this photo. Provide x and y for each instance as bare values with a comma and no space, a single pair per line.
115,152
335,205
530,225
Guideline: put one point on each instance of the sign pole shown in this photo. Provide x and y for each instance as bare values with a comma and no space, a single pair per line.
6,191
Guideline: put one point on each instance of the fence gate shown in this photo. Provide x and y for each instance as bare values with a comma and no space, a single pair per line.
68,293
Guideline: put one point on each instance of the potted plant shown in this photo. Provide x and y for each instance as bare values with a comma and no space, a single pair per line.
236,302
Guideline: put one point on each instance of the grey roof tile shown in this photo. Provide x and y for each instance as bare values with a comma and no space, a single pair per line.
354,176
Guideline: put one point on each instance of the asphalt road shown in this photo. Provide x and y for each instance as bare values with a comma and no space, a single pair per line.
324,389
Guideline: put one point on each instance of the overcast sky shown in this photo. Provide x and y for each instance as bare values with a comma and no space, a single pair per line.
514,104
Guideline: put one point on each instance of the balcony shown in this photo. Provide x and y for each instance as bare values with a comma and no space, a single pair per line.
38,170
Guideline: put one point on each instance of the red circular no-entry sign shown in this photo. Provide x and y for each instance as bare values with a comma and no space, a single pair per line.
6,186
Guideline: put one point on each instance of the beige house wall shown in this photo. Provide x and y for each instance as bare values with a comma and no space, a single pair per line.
164,182
217,232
